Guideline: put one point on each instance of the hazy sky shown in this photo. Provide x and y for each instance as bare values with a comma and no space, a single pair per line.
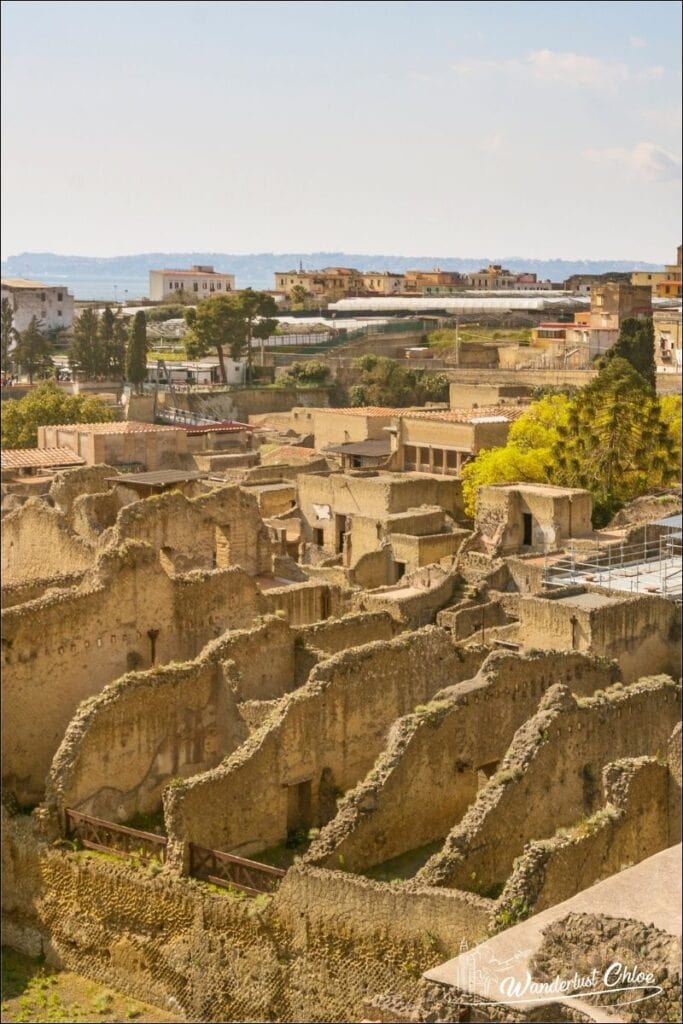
531,129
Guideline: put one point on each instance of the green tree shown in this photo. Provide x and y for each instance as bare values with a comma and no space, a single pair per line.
298,297
9,333
505,465
230,322
312,371
383,382
32,351
616,443
46,405
636,343
106,339
136,351
86,350
429,387
117,350
528,455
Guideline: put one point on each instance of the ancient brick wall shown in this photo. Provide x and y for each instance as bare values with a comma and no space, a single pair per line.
442,748
550,777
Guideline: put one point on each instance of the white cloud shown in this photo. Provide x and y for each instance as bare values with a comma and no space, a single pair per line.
571,69
575,69
645,161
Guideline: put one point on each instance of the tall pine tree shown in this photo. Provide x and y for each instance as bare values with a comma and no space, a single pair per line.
136,353
32,351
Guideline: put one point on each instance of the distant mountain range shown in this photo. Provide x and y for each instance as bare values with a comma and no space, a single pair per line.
105,277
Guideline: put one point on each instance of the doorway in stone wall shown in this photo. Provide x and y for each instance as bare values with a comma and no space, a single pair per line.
299,807
527,525
222,542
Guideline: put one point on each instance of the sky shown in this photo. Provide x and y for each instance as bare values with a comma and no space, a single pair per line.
453,129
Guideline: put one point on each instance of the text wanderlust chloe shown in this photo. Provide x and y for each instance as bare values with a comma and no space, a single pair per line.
615,978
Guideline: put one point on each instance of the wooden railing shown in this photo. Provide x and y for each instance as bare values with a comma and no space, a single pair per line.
106,837
230,871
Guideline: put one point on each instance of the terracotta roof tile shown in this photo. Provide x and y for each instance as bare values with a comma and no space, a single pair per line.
36,458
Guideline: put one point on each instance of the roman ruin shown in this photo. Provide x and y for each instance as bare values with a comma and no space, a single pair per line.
282,737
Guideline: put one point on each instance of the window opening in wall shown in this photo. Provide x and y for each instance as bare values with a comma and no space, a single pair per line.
152,634
222,537
400,568
486,772
340,530
319,538
527,525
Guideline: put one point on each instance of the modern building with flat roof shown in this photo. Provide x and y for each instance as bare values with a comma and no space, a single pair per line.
52,305
200,282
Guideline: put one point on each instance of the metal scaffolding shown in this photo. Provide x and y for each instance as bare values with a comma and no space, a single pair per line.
651,566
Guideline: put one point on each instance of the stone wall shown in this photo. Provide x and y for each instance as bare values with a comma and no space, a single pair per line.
550,777
304,603
20,593
241,403
207,955
324,738
223,527
353,630
38,542
416,599
641,632
636,822
67,645
442,748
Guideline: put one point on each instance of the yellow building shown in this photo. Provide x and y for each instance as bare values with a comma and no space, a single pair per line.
670,287
329,284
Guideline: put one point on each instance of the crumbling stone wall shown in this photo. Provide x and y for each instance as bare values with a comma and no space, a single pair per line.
19,593
326,736
351,630
67,645
641,632
223,527
124,745
303,603
550,777
38,542
446,747
636,822
148,728
207,955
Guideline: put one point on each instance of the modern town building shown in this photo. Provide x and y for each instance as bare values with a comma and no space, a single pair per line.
51,304
199,281
667,328
611,304
670,287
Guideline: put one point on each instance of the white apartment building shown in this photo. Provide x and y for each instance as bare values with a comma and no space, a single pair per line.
200,282
52,305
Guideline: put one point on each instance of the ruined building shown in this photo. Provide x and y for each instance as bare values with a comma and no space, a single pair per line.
275,746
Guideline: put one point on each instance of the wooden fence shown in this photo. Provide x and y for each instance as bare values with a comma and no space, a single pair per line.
105,836
228,870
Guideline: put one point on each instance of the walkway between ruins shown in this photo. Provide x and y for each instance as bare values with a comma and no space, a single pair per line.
649,892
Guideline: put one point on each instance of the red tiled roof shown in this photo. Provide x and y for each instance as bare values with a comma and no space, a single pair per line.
510,411
117,427
36,458
224,427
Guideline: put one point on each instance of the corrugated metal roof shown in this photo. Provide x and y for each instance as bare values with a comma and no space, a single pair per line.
371,448
673,522
159,478
36,458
